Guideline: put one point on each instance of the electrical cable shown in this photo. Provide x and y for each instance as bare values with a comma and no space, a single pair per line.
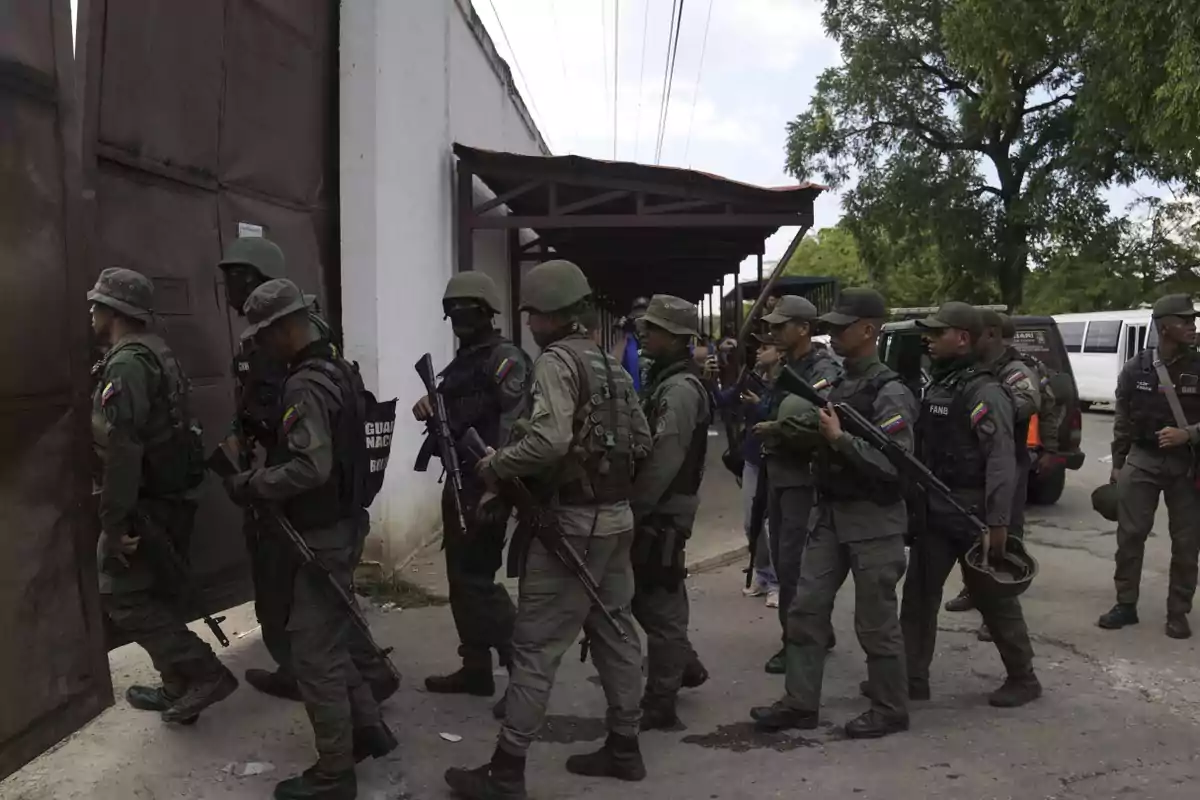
696,89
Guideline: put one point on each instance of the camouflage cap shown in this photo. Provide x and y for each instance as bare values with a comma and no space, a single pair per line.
1174,305
791,307
271,302
255,251
473,285
672,314
963,316
124,290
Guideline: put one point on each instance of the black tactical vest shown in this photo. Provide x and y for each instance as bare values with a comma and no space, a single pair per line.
946,440
599,468
837,477
469,389
1149,410
691,472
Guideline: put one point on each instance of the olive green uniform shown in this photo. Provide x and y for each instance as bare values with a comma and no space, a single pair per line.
1024,385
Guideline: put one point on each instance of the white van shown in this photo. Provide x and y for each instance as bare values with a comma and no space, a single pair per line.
1099,343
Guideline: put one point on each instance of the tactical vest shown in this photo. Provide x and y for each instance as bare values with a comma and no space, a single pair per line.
173,447
946,440
691,473
837,478
469,389
1149,410
598,470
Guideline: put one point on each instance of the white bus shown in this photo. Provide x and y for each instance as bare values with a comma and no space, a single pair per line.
1099,343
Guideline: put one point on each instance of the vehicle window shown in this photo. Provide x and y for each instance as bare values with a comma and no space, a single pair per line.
1152,337
1072,335
1103,336
1039,343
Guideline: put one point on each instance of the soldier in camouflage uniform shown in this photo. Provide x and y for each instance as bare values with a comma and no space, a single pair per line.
585,432
315,467
486,387
149,464
665,499
248,263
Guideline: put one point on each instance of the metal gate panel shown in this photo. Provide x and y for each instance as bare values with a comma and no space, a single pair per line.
53,668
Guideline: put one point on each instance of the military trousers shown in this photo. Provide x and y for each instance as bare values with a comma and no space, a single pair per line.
552,609
1138,488
483,612
335,696
877,566
789,511
663,615
931,559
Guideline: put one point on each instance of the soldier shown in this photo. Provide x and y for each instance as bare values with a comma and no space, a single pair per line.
150,462
677,408
585,432
248,263
1019,375
965,437
790,497
1155,434
315,469
486,386
860,527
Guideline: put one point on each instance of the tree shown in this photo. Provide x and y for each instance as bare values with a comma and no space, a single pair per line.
966,126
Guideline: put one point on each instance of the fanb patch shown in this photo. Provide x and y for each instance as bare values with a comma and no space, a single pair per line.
290,418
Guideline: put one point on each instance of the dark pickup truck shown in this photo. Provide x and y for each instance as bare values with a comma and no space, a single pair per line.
903,349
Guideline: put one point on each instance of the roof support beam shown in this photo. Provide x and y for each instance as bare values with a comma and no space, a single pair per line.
501,199
803,219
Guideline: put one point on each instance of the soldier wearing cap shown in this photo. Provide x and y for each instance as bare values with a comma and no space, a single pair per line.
860,525
485,387
965,437
142,435
585,433
312,469
677,407
791,481
1155,434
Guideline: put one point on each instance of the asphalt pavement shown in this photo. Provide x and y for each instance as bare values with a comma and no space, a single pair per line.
1120,716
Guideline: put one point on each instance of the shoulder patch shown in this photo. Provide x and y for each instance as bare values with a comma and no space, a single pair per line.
820,384
894,424
978,413
290,418
111,390
503,369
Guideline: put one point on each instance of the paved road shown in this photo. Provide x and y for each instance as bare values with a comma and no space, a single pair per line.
1121,715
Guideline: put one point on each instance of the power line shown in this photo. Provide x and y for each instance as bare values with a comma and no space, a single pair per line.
562,62
662,131
696,90
616,62
637,130
662,94
520,72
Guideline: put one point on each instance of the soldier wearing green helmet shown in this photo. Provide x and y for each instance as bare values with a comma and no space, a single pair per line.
143,434
486,387
585,433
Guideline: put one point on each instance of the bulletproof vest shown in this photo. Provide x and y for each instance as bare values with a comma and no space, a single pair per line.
173,448
946,440
259,386
598,470
340,497
469,389
691,472
1149,409
837,477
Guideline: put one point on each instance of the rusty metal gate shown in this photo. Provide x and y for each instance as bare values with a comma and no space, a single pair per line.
196,123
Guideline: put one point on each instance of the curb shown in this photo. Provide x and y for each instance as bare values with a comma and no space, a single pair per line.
721,559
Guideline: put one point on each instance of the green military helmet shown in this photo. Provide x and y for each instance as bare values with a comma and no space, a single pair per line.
1003,579
672,314
255,251
1104,501
553,286
799,422
473,285
124,290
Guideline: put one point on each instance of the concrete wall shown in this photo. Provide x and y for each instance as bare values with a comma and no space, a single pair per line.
415,78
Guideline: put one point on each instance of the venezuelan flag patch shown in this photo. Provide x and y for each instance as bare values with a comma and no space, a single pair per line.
290,418
821,384
503,369
893,424
978,412
110,391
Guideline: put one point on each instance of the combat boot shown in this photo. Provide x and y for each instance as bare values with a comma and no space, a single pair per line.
502,778
375,741
152,698
1178,627
962,602
620,758
875,725
694,674
277,684
658,714
383,689
1016,692
473,681
1119,616
984,634
200,695
779,717
316,784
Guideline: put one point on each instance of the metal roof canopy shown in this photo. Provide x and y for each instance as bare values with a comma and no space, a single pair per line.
634,229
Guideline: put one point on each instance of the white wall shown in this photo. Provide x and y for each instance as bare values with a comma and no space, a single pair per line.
415,78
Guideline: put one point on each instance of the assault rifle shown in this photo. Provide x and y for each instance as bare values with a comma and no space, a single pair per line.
518,494
438,434
858,425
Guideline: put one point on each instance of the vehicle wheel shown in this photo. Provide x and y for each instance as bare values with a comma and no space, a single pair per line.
1045,490
1085,406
